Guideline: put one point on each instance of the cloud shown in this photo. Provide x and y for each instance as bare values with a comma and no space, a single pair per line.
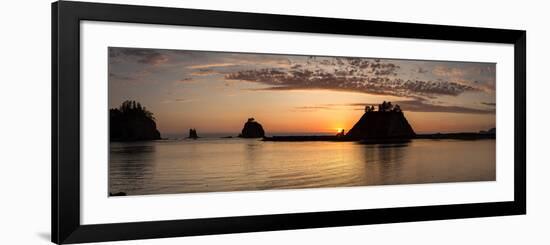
143,56
443,71
312,108
422,71
402,78
482,76
230,62
416,105
421,105
179,100
372,76
154,59
183,100
186,79
209,66
119,77
136,76
206,72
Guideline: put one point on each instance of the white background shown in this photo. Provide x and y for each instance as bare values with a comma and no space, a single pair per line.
25,97
96,37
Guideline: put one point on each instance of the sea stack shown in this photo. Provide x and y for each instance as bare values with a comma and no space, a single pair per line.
388,122
193,134
132,122
252,129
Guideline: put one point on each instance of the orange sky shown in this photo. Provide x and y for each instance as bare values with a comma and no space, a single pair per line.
216,92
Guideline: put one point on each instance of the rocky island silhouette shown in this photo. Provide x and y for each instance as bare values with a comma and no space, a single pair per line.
132,122
252,129
193,134
388,122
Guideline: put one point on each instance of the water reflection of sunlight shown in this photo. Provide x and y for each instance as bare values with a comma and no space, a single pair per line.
252,164
383,162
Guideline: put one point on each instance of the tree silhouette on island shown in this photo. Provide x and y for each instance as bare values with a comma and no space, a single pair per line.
388,122
132,122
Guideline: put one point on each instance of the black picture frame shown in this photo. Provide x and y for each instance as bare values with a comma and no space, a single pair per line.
66,18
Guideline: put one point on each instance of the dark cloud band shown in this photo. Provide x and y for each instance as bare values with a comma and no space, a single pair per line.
417,105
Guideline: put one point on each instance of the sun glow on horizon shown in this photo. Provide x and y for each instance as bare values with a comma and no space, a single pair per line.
218,92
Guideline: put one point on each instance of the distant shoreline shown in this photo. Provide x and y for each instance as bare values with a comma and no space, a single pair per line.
459,136
334,138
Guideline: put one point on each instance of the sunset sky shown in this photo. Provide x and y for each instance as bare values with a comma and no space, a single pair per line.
215,92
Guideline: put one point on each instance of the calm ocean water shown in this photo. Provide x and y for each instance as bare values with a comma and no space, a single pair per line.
214,164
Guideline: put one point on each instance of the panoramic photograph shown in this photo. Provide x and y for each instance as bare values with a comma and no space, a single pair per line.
187,121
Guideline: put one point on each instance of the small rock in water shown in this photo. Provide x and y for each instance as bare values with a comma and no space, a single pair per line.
193,134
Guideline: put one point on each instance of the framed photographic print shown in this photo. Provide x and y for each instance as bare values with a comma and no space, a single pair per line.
176,122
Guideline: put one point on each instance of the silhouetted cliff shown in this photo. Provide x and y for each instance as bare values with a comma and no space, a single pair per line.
132,122
382,125
252,129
